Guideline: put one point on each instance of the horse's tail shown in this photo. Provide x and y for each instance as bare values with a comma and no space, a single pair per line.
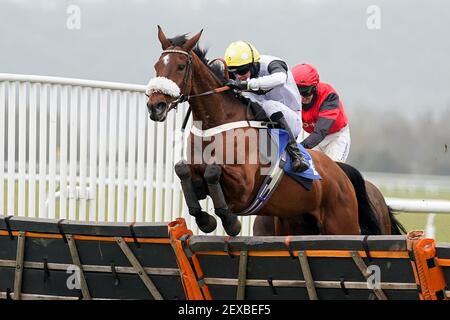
396,226
368,222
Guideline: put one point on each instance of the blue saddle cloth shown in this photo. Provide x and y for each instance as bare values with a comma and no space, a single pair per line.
304,178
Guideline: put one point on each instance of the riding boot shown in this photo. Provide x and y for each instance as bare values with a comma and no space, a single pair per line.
299,164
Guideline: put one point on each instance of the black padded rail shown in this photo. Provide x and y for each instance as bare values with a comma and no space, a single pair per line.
443,252
141,230
281,277
108,271
323,242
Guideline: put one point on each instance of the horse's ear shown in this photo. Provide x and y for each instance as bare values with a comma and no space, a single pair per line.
190,44
165,43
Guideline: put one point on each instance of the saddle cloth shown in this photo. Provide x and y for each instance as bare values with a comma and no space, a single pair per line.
304,178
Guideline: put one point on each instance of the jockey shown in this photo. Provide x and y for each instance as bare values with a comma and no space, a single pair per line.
323,114
269,83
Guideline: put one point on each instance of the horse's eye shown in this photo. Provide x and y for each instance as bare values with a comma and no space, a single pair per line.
181,67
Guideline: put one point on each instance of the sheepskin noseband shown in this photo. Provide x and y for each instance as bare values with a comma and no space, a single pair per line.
163,85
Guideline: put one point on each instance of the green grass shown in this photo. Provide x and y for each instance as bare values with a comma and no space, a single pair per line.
418,221
167,215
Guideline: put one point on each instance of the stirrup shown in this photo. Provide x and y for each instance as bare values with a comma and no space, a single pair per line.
298,163
300,166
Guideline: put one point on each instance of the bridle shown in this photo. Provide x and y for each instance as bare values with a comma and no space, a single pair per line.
188,70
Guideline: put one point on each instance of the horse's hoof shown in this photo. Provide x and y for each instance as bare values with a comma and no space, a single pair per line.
183,170
234,228
206,223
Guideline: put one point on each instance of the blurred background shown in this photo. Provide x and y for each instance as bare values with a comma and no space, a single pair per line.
394,79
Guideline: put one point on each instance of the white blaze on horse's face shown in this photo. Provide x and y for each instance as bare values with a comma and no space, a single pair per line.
166,59
172,66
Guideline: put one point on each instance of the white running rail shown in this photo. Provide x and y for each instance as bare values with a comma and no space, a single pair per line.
86,150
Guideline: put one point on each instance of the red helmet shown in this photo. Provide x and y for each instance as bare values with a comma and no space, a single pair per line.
305,75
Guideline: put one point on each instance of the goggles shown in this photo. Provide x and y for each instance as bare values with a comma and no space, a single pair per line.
240,70
306,91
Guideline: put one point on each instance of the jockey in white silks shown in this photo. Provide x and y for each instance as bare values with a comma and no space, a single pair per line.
269,83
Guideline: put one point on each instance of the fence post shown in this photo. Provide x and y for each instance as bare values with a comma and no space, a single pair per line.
430,228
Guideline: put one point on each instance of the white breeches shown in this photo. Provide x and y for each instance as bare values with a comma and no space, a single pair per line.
293,119
336,145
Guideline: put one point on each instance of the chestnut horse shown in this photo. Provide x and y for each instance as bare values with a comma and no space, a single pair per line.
183,74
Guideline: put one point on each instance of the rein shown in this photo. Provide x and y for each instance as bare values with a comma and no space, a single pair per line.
188,112
185,98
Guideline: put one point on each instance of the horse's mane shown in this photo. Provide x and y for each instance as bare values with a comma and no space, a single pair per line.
218,71
216,68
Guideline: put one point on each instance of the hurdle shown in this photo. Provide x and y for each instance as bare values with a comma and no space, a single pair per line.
66,260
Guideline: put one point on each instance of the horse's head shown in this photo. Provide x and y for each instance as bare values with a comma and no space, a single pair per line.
173,76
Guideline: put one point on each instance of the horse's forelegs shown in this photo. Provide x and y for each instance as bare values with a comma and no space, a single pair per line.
205,222
230,221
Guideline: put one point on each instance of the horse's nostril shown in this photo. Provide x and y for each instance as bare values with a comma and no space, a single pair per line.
158,107
161,106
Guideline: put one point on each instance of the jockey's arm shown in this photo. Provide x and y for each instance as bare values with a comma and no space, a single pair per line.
328,113
277,77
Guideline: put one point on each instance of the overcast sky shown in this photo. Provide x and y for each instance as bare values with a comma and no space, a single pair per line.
403,65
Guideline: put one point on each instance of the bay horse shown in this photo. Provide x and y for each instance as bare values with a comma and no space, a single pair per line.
307,224
385,216
183,74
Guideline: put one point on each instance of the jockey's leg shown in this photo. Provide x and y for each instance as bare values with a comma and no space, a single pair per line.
339,147
336,145
293,119
205,222
299,164
230,222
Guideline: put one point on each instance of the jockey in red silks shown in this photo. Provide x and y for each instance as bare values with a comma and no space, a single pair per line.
323,114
